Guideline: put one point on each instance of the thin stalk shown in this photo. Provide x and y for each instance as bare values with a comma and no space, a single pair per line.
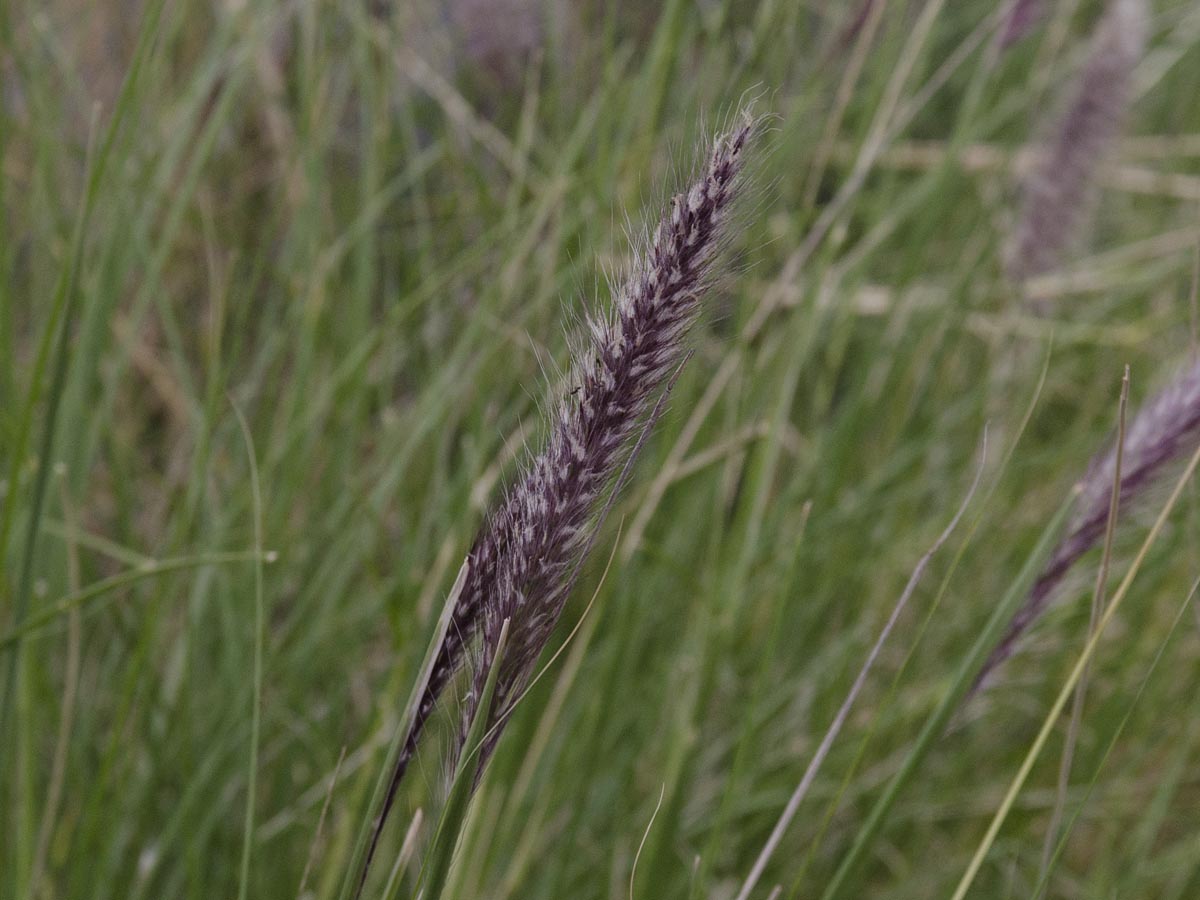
259,638
1064,772
843,713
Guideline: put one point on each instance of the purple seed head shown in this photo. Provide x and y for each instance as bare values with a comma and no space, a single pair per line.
1165,429
498,34
1060,189
538,536
520,564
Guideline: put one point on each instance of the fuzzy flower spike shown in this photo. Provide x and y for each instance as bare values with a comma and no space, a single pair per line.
1165,430
1061,188
619,375
522,563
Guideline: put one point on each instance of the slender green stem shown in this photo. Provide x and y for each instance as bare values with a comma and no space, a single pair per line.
259,637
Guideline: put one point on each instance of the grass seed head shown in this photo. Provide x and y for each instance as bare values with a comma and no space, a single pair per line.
1164,431
540,534
1060,189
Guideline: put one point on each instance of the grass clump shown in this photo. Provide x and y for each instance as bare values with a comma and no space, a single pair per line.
360,225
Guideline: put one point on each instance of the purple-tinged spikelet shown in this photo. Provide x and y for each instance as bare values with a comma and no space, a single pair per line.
618,376
521,563
1166,428
1061,188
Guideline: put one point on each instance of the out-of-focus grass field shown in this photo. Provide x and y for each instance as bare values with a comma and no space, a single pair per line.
368,230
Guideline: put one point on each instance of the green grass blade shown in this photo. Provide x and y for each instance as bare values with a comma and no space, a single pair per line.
1061,842
65,300
100,590
354,872
450,824
259,638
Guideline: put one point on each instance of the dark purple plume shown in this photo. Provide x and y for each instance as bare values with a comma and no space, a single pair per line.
522,561
620,372
1166,429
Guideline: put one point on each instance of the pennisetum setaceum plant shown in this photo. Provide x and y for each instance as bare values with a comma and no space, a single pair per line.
526,557
1058,193
254,300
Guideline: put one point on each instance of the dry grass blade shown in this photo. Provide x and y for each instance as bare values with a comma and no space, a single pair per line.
843,713
645,835
1068,688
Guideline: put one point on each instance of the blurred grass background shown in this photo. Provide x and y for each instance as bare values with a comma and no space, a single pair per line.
368,226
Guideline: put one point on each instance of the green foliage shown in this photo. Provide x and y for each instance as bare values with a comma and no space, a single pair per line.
343,221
